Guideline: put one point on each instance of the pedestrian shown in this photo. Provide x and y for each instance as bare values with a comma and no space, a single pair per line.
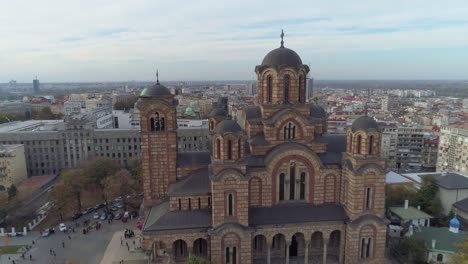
133,242
126,243
50,251
121,242
30,257
55,255
33,242
128,248
13,262
69,237
63,244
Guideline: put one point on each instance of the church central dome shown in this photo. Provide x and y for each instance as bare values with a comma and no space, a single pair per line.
282,56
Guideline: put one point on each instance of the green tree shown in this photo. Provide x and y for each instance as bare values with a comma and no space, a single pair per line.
427,195
97,171
396,195
74,178
119,184
12,192
45,114
462,255
60,195
198,260
410,250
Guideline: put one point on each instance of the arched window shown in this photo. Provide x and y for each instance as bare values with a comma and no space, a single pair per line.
152,123
289,131
189,203
299,99
157,122
270,88
209,202
281,187
234,255
302,187
228,255
440,257
239,149
371,142
180,204
368,249
358,144
199,203
368,198
292,182
363,248
229,147
350,143
218,148
286,89
211,125
230,205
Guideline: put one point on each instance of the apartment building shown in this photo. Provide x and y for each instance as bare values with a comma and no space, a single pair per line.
453,149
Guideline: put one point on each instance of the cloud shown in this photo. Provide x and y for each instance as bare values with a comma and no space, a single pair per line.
123,40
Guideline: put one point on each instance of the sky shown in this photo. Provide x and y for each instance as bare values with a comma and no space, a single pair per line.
111,40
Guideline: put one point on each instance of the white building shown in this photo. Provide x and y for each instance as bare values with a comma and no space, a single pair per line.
453,149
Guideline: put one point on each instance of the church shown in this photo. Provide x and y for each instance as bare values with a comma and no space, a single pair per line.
275,188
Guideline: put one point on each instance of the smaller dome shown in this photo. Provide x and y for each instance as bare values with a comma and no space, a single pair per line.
217,112
454,223
317,111
227,126
155,90
365,123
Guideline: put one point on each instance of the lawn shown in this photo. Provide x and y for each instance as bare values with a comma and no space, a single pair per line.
10,249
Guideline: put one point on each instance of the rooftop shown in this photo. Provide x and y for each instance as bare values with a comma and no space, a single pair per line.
445,240
409,213
462,205
29,125
452,180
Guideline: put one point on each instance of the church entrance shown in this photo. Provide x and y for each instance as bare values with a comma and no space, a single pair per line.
293,247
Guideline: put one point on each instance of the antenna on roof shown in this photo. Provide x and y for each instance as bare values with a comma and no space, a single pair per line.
282,35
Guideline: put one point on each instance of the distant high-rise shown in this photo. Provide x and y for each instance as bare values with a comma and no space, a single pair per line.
310,88
36,86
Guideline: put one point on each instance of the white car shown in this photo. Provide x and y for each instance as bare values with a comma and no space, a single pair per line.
96,215
62,227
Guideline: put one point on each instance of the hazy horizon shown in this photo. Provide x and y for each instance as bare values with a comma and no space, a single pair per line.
118,41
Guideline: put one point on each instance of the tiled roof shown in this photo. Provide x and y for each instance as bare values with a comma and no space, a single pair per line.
452,181
258,139
252,113
462,205
197,182
296,213
336,143
409,213
445,240
160,219
193,158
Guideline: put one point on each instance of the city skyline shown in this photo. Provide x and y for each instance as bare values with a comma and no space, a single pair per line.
211,41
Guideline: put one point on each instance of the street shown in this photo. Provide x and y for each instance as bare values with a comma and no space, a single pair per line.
80,248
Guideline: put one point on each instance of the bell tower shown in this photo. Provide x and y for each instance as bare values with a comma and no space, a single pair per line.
158,121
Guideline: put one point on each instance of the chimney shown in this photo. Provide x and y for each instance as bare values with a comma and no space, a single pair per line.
433,243
406,204
419,207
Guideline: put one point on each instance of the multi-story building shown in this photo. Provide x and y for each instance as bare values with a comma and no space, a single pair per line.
275,188
409,148
389,143
73,107
390,103
429,153
12,166
36,86
17,108
453,149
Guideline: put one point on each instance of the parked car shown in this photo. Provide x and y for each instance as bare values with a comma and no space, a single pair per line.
103,216
119,205
125,217
47,232
96,215
77,215
110,215
113,208
140,222
62,227
118,216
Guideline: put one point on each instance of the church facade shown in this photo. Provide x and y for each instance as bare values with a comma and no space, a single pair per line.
275,188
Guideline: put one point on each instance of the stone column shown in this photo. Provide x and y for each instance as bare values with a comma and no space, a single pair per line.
287,251
190,251
268,253
306,252
325,242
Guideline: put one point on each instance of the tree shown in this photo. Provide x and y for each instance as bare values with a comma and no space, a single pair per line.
462,255
198,260
427,195
410,250
119,184
97,171
12,192
397,194
60,195
74,179
136,171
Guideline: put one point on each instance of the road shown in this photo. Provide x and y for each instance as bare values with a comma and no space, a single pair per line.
81,248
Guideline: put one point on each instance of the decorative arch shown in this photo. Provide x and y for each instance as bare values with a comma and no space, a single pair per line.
200,248
255,192
227,174
180,249
367,241
290,129
231,245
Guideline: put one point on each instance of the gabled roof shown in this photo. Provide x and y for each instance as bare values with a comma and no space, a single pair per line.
193,158
197,182
462,205
258,139
296,213
445,240
452,181
409,213
336,143
253,113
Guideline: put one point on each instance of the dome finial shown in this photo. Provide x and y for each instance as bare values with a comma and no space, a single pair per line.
282,35
157,77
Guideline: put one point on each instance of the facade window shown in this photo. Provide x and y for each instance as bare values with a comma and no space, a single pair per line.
299,99
289,131
157,122
218,148
230,205
229,147
228,255
209,202
270,88
368,198
440,257
366,248
302,188
292,182
234,255
180,204
286,89
281,187
189,203
371,142
358,144
239,149
199,203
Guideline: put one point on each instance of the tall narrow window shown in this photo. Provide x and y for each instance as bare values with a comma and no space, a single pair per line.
234,255
358,144
239,149
371,142
229,154
227,255
289,131
180,204
368,248
292,182
286,89
270,88
299,95
189,203
218,148
285,132
152,124
302,192
199,203
230,204
368,198
363,248
209,202
281,187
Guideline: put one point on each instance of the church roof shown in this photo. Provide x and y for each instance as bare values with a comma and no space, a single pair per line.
296,213
317,111
227,126
198,182
253,113
445,240
282,56
217,112
462,205
155,90
193,158
365,123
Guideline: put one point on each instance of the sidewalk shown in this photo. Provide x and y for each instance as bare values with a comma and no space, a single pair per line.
117,251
